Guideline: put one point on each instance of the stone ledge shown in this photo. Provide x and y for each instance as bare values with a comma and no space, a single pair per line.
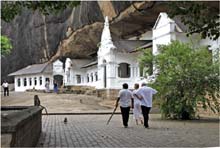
21,126
13,120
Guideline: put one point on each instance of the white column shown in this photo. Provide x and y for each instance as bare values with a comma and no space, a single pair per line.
82,79
32,82
73,77
38,81
135,71
91,77
100,76
43,81
16,83
51,82
131,71
22,82
116,70
28,85
138,71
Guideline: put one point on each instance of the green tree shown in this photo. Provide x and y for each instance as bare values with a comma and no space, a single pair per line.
146,61
187,79
200,17
5,46
12,8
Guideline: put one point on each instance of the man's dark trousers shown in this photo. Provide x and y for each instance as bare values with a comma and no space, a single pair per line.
6,91
145,112
125,115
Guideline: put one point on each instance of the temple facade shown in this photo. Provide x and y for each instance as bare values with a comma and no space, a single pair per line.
114,63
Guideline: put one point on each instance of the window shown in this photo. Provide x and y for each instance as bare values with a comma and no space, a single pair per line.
78,79
91,77
124,70
25,81
30,81
40,78
87,77
19,82
35,81
96,76
47,79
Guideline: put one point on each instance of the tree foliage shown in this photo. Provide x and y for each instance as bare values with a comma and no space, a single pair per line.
198,16
12,8
146,61
5,46
187,78
9,9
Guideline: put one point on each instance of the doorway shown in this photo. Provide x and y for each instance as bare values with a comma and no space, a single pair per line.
58,79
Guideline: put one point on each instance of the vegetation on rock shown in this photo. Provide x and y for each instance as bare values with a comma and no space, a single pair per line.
198,16
5,46
12,8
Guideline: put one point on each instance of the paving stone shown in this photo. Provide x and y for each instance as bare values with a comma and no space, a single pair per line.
92,131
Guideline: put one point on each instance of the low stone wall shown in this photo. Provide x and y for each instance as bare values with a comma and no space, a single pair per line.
20,126
108,93
87,90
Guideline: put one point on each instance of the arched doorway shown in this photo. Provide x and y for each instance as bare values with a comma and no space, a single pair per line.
58,79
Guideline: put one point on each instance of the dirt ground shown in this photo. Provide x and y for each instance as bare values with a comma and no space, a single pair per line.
59,103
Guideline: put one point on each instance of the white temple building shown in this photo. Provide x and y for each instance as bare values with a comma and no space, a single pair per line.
166,30
115,63
35,76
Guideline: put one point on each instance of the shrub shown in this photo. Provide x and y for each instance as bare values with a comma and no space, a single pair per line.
187,77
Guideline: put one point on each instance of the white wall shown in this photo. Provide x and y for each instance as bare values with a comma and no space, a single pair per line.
163,36
113,60
58,68
73,72
32,86
91,71
164,33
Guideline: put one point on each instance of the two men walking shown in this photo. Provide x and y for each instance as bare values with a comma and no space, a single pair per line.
144,94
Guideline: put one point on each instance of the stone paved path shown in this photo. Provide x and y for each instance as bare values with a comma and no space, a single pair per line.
92,131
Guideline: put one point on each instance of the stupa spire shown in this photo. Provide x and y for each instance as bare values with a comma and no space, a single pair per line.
106,39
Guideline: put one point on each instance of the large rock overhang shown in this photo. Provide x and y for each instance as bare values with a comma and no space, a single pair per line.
138,18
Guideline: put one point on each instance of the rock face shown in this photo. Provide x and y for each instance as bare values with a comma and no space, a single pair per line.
35,37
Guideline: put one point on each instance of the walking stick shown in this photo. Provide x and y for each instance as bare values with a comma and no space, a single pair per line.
112,113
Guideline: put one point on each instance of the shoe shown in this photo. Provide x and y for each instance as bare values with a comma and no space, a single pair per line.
125,126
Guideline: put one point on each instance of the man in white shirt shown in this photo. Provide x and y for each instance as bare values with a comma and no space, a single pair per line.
145,94
5,87
124,98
